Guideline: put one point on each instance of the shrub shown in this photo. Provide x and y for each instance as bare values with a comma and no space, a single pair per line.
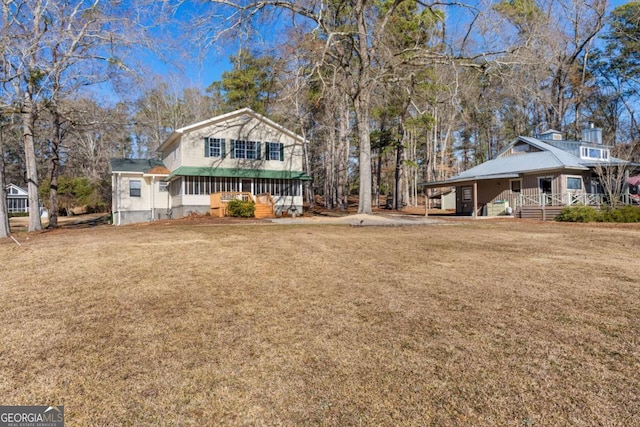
578,214
244,209
623,214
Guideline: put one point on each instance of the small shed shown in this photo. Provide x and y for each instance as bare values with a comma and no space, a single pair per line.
445,200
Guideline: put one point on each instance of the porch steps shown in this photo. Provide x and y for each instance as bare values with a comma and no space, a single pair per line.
264,211
542,213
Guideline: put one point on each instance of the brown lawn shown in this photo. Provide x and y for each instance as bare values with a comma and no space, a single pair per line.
178,324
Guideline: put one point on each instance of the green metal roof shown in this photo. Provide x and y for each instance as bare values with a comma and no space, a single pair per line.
133,165
238,173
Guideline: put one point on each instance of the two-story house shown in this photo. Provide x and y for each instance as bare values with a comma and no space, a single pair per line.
240,154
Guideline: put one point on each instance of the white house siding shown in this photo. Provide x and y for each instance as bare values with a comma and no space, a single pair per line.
152,203
240,129
172,157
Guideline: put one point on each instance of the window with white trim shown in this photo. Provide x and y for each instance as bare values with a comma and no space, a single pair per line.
594,153
246,149
135,188
275,151
162,185
574,183
214,147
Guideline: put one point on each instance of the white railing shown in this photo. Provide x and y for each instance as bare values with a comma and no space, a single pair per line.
563,199
226,196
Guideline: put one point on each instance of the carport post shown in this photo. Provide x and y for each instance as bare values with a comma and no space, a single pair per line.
475,199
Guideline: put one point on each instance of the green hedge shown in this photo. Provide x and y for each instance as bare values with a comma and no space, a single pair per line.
607,214
244,209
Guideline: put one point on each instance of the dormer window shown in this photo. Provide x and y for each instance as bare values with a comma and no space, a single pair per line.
592,153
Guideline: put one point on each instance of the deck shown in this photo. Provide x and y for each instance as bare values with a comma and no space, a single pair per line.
264,204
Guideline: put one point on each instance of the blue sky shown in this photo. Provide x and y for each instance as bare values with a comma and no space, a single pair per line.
200,70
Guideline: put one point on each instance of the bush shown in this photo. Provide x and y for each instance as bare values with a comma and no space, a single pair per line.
244,209
588,214
578,214
624,214
18,214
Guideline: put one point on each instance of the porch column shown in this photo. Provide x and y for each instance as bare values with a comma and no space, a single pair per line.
426,201
475,199
627,198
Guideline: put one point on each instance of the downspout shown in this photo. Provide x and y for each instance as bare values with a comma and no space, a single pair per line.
153,198
118,201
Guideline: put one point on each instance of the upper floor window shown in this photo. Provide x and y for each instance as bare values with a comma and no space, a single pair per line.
135,188
246,150
274,151
162,185
594,153
214,147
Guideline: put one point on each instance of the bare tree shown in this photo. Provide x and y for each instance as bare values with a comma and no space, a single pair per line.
54,49
4,215
353,43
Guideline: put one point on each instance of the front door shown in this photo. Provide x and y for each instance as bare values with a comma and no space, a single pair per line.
546,190
246,186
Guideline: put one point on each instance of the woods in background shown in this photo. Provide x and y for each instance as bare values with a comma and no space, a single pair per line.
387,93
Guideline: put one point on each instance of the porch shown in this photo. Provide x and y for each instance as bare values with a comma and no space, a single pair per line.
517,200
264,203
544,206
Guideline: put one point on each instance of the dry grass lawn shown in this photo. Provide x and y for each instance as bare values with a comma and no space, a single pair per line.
483,324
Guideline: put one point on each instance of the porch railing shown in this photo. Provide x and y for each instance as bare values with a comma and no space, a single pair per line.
517,200
219,200
218,204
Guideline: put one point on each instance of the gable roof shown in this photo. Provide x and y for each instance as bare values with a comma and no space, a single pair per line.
548,158
18,191
224,117
141,166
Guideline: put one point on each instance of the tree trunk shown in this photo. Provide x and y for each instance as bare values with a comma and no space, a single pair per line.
55,172
378,178
29,119
361,108
4,217
342,158
397,177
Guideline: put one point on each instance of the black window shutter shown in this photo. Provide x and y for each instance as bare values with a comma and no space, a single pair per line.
282,152
223,153
206,147
233,151
266,151
258,157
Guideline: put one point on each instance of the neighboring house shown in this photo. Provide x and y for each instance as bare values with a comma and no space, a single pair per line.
537,173
241,154
17,199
